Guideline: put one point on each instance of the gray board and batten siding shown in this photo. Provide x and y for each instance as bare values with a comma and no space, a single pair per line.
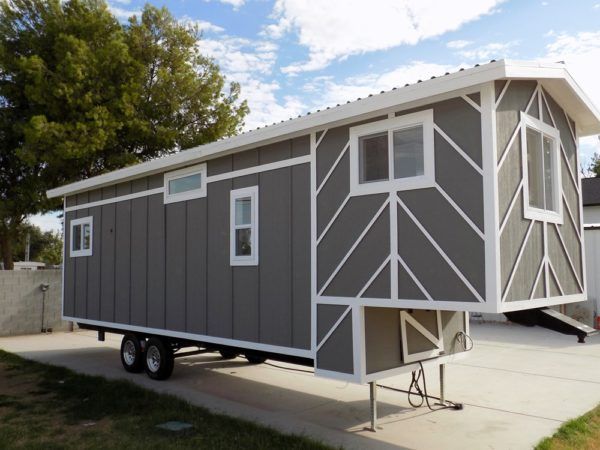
167,266
538,259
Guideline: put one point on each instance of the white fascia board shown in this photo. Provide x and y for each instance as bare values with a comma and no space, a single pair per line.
311,122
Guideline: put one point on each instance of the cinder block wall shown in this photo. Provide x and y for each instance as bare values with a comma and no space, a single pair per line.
21,301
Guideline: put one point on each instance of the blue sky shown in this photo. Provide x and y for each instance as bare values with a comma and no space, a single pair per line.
294,56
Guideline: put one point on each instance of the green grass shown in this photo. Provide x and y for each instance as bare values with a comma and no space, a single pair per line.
49,407
580,433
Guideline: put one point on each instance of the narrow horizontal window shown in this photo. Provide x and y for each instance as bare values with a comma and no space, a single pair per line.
540,143
392,154
244,226
185,184
81,237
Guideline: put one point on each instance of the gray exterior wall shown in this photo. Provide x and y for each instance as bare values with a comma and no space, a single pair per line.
166,266
518,95
453,174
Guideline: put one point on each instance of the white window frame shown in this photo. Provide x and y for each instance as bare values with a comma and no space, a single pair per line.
244,260
181,173
79,222
530,212
421,118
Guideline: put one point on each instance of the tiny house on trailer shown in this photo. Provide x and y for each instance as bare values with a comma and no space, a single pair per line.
356,239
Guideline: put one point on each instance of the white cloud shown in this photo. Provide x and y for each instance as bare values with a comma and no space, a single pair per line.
336,29
496,50
581,54
203,25
123,14
235,3
329,93
457,45
47,222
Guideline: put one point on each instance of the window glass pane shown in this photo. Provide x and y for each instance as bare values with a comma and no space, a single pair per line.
373,157
243,211
243,242
408,152
184,184
535,168
549,173
86,236
76,237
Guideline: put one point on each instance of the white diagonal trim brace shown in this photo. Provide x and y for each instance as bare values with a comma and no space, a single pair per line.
537,277
373,277
518,260
458,149
571,176
440,251
511,205
511,141
562,242
333,219
321,138
460,211
334,327
335,164
555,277
571,217
414,278
358,241
470,101
504,89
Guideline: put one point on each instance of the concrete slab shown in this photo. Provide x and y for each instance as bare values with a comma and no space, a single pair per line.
518,385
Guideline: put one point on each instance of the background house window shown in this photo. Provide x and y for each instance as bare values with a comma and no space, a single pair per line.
541,157
185,184
244,226
81,237
392,154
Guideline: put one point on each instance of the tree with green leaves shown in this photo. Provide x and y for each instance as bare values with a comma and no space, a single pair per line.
44,246
82,94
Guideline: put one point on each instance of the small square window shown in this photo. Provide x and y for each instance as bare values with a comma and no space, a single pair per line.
81,237
541,161
185,184
244,227
392,154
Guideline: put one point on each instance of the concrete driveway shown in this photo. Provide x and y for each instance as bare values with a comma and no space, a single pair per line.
518,385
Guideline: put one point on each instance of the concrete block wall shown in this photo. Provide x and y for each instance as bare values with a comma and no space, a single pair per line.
21,301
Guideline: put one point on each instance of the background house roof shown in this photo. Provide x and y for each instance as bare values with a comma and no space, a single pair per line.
591,191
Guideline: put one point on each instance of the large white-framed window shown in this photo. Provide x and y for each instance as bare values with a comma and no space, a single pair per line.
540,146
185,184
82,232
244,227
392,154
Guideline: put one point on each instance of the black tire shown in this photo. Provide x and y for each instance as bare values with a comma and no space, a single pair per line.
132,353
227,354
158,360
254,358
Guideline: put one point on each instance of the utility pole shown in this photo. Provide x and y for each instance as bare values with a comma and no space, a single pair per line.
27,244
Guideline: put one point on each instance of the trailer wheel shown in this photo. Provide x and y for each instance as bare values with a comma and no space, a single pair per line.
255,359
227,354
159,359
132,354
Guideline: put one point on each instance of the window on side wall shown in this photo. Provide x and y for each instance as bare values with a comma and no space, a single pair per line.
541,168
392,154
81,237
185,184
244,227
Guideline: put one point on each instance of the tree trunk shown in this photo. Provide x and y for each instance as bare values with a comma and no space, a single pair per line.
6,251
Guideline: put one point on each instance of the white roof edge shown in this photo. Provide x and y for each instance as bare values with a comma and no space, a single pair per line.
457,80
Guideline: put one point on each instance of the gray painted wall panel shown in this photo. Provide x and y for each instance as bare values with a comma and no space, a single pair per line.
122,261
107,250
466,193
407,288
82,275
275,257
139,263
522,284
94,264
175,259
566,137
511,174
333,193
382,339
156,262
275,152
196,265
70,273
219,294
337,353
508,112
327,316
380,287
559,261
451,232
511,240
301,253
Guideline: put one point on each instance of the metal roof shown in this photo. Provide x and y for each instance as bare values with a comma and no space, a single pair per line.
557,81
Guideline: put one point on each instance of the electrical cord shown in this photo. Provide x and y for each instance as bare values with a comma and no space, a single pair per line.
288,368
465,340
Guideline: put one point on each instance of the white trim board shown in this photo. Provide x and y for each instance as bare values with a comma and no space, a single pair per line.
560,85
198,337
